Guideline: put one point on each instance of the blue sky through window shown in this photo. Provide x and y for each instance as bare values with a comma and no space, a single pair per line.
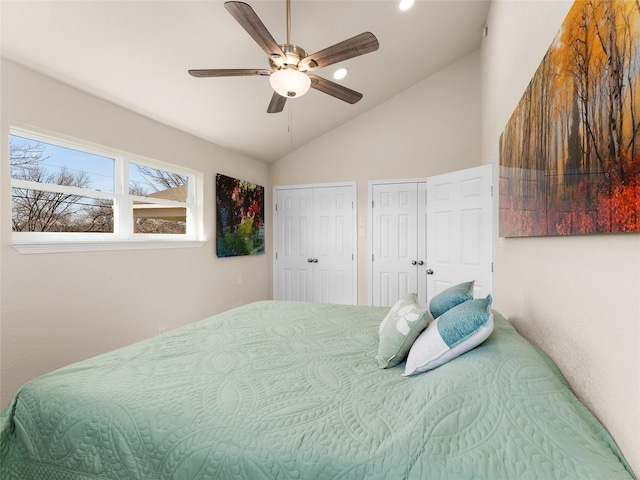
99,169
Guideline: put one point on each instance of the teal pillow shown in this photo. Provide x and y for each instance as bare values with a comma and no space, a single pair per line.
453,333
449,298
399,329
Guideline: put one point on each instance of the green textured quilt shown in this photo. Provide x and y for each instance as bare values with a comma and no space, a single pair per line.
280,390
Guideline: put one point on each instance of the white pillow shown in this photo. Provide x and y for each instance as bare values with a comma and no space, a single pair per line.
399,329
450,335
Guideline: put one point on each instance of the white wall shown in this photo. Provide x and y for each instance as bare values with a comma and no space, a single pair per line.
429,129
577,297
60,308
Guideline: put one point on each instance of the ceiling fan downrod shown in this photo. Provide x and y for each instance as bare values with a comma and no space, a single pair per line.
288,21
293,53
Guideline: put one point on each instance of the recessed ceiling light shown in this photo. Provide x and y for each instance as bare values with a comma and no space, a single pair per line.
406,4
340,73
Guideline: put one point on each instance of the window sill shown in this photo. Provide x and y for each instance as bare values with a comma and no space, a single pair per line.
101,246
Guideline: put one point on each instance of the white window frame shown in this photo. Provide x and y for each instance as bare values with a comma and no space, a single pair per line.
123,237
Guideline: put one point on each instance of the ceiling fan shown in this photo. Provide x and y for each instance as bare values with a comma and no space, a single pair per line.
290,63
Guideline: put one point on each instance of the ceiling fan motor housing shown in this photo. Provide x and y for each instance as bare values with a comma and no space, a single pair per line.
294,54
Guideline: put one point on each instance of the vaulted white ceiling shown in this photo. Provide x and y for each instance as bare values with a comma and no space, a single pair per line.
137,53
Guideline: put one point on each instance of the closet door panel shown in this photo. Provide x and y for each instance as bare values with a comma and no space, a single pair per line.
394,242
294,245
460,247
334,244
422,238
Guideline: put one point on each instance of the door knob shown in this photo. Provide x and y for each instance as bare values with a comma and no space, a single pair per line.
413,262
429,272
314,260
310,260
420,262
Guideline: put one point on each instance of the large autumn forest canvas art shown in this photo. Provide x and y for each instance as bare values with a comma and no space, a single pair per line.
570,154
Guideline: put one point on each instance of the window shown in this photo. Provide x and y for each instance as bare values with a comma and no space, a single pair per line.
68,194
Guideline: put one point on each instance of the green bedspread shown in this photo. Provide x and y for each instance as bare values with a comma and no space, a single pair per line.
279,390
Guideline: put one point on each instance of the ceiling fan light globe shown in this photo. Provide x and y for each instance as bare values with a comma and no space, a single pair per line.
290,83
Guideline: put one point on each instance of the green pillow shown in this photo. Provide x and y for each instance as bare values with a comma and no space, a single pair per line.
451,297
399,329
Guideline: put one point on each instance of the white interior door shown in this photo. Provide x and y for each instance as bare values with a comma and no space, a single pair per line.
459,230
334,252
394,245
422,239
294,245
314,238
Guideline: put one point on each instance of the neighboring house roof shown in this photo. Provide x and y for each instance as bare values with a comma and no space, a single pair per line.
178,194
163,212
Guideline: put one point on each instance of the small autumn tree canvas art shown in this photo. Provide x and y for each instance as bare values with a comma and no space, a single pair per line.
239,217
570,154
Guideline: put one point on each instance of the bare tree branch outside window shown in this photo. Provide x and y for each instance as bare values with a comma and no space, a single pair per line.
38,209
43,211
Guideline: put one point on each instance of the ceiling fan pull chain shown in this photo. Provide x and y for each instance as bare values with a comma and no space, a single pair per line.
290,126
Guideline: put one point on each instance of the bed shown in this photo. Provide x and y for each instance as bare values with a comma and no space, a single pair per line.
286,390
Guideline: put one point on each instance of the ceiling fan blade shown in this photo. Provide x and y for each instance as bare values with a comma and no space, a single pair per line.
276,105
228,72
330,88
248,19
353,47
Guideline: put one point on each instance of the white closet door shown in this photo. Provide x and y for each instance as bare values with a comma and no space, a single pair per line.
334,245
443,224
459,226
294,245
394,241
422,238
315,244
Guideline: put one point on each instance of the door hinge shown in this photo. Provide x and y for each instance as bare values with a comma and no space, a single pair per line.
373,203
276,207
276,255
491,267
352,257
372,257
492,190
